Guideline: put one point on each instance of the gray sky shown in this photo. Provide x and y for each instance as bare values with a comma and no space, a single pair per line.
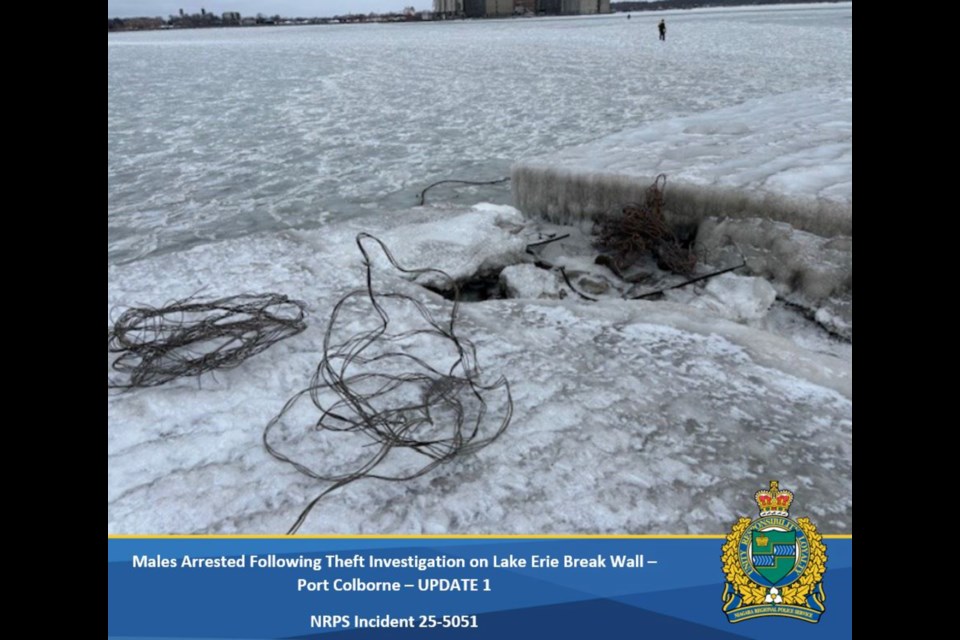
286,8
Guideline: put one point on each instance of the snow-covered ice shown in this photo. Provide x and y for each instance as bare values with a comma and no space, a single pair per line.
630,416
786,158
805,269
529,281
479,242
219,133
738,297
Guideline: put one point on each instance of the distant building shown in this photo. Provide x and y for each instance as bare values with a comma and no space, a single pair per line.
585,7
573,7
447,8
134,24
524,6
502,8
230,18
549,7
488,8
474,8
499,8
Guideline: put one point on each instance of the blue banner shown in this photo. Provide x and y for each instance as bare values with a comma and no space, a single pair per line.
464,587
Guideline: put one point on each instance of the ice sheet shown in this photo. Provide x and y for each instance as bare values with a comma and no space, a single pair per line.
787,157
631,417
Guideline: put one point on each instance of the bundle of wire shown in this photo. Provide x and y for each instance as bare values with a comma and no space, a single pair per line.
641,228
413,396
192,336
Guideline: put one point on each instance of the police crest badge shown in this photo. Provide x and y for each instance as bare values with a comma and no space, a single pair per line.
774,565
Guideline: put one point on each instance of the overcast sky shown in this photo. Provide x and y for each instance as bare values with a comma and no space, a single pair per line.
285,8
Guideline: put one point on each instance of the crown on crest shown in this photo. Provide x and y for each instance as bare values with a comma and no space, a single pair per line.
774,502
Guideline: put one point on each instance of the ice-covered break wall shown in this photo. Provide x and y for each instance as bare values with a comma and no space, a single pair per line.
787,158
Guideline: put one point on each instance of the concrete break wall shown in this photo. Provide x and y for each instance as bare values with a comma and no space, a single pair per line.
787,158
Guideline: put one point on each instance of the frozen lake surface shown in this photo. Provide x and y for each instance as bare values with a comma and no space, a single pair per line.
217,134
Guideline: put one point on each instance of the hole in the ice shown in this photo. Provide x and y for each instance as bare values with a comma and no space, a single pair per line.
476,289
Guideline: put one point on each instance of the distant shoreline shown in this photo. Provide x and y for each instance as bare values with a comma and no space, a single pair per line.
211,21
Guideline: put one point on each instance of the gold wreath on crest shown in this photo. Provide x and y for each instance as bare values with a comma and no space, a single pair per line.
796,593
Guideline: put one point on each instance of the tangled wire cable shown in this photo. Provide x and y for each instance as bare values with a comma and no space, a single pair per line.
422,194
642,228
416,393
191,336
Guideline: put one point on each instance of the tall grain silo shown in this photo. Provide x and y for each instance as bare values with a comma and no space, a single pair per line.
584,7
550,7
525,6
447,8
499,8
474,8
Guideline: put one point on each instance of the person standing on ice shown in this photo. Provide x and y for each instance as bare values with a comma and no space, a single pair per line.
663,30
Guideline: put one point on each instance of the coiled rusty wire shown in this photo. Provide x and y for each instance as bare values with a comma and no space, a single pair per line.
641,228
192,336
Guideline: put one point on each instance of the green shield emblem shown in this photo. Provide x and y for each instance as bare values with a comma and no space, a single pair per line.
774,553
